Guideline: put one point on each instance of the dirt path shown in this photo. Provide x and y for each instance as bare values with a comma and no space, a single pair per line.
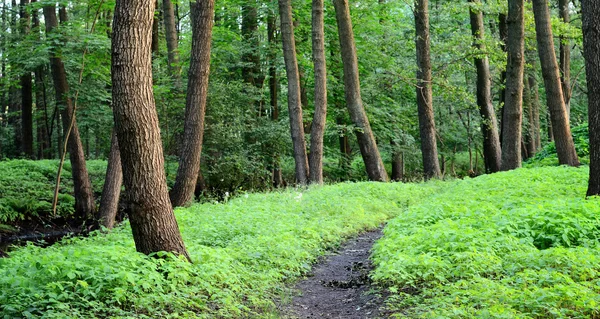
339,286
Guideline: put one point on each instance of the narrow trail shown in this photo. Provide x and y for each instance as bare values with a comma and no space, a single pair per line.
339,286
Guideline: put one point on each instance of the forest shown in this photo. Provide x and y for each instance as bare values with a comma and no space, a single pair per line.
300,159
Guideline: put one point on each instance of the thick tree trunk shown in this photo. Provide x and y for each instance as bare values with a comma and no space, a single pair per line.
431,164
294,103
364,134
489,124
26,91
554,94
84,196
591,43
320,117
153,223
109,203
513,105
565,56
197,91
172,42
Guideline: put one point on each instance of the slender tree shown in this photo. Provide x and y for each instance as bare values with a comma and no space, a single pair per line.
84,196
320,117
489,124
277,177
251,72
189,161
364,134
431,165
111,192
26,90
554,94
591,44
136,122
565,55
172,42
294,102
513,105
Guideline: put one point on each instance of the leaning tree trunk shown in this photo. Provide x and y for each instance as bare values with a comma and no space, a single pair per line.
489,124
294,102
565,56
26,90
84,196
193,132
320,117
152,219
591,43
554,94
172,42
109,203
431,165
513,105
364,134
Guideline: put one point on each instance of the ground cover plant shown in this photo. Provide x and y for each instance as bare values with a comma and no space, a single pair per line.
522,244
244,250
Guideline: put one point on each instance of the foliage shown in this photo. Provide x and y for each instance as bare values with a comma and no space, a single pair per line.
244,251
547,156
522,244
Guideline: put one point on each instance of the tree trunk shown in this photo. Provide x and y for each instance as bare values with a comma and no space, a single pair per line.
320,117
84,196
26,91
251,57
489,124
554,95
197,91
535,107
153,223
294,103
513,105
530,128
503,33
172,42
397,164
431,165
44,122
277,177
366,140
591,43
109,203
155,31
565,56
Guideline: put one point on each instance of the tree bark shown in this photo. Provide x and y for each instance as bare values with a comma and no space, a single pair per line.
364,134
591,43
397,164
155,31
554,94
172,42
111,192
84,197
26,90
503,33
535,107
431,165
294,103
152,219
565,55
513,105
197,91
320,116
277,177
489,124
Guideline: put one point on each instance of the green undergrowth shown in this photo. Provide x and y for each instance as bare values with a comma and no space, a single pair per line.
244,252
522,244
548,157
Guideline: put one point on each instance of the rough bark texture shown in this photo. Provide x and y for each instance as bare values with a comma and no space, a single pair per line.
554,95
172,42
364,134
84,197
513,106
136,122
591,43
109,203
294,103
489,124
197,91
26,90
565,56
320,117
431,165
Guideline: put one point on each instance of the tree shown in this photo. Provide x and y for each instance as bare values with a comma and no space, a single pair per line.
489,124
26,90
591,43
189,161
554,94
320,117
294,100
277,178
172,42
111,192
431,165
84,197
565,55
364,134
136,122
513,105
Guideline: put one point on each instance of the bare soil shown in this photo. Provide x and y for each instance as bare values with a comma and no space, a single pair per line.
339,286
